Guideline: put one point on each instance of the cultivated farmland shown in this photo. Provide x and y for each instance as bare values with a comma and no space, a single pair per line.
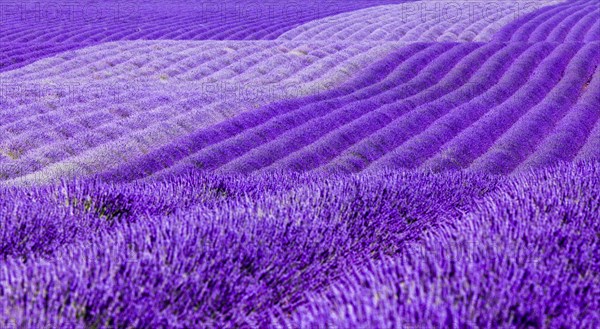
313,164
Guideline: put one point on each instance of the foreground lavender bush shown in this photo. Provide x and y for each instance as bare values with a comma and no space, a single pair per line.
378,249
525,257
243,245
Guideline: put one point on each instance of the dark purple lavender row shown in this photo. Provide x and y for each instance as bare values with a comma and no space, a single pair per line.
571,133
401,130
15,55
425,144
561,22
544,31
525,258
518,142
591,148
400,121
370,77
336,142
472,142
160,20
388,147
264,243
336,134
312,123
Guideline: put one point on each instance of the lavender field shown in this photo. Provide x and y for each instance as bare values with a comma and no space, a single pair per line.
300,164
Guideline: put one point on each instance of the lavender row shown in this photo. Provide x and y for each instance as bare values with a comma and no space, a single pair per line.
571,133
172,153
333,142
379,148
461,150
427,143
522,138
545,27
549,23
267,150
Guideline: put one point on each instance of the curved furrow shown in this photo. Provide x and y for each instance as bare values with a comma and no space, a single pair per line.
307,31
541,24
387,139
322,60
273,35
544,30
24,139
571,133
63,63
460,151
423,28
73,147
484,94
177,28
151,32
350,31
456,134
48,34
594,33
239,29
520,140
224,67
312,130
275,128
418,21
73,136
181,148
315,30
324,63
177,21
25,57
397,130
125,30
186,34
31,146
435,31
581,29
87,127
282,60
139,53
574,23
467,30
290,26
521,29
591,148
326,70
336,31
375,32
222,31
508,31
242,31
109,28
335,142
